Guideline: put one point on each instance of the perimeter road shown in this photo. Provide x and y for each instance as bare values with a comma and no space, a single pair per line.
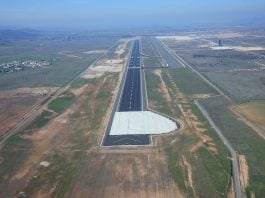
230,148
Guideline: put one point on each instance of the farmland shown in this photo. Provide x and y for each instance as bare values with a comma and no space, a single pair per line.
254,112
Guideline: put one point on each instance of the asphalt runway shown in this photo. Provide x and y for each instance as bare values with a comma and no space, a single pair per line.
135,55
116,140
131,96
130,100
170,60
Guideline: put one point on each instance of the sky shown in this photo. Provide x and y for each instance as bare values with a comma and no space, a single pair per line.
128,13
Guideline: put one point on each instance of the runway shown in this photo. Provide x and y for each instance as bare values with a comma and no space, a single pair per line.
130,99
171,61
131,96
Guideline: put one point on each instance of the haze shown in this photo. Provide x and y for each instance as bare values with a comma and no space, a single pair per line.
118,13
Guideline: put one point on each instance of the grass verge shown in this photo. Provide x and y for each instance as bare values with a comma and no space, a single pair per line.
60,103
13,153
41,120
212,165
243,139
190,83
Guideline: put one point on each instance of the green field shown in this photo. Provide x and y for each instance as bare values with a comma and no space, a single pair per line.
190,83
243,139
61,103
41,120
62,70
152,62
13,153
50,47
155,98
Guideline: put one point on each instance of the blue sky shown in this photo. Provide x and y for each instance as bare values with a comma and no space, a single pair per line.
124,13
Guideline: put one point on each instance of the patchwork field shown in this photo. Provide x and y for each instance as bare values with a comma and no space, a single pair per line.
238,73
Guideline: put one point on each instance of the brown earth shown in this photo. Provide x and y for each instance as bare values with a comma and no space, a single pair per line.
188,169
126,172
16,103
229,35
163,88
253,114
231,192
190,119
107,64
13,109
131,174
196,146
244,172
101,172
27,91
79,91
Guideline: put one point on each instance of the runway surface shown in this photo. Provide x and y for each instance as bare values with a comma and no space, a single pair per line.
171,61
130,99
131,96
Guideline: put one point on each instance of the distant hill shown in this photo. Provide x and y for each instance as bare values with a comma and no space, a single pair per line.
6,34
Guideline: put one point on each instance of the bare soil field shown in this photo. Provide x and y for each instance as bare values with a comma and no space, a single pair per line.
14,104
246,49
12,110
111,62
51,143
254,111
229,35
125,175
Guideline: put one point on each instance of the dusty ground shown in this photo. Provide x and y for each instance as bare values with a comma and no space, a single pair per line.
253,114
246,49
191,120
231,192
107,64
163,88
229,35
15,104
101,172
12,110
177,38
244,172
237,48
188,169
131,172
27,91
68,54
124,174
95,52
